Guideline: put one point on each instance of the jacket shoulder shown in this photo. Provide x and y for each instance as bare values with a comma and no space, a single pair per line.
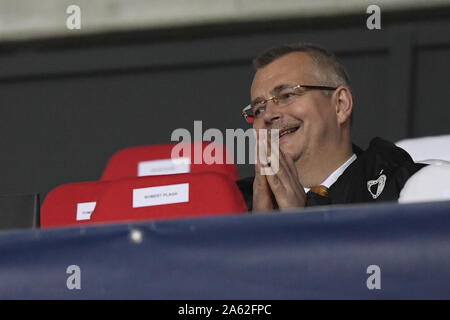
386,151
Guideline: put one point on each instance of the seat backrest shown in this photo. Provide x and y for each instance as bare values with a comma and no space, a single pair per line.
169,196
426,148
71,204
431,183
156,160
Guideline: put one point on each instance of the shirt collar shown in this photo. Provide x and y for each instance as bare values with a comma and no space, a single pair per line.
336,174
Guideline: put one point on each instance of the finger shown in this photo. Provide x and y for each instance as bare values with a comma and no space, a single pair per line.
280,170
278,179
290,163
260,179
263,198
287,174
293,170
285,184
262,155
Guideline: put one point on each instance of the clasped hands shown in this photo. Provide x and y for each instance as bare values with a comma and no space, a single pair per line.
276,186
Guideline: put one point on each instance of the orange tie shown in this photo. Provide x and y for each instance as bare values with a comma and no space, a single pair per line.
320,190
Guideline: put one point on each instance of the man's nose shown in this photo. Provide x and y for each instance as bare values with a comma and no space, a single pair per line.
272,112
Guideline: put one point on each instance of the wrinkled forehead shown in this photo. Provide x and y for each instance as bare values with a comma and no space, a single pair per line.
291,69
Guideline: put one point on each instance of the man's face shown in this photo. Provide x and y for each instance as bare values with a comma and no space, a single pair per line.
311,114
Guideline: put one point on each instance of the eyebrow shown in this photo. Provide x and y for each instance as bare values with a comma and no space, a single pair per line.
276,89
281,87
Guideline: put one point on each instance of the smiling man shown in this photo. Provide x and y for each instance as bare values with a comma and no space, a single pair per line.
303,91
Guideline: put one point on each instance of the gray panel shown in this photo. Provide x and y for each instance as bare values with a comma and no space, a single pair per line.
122,57
432,92
368,77
19,211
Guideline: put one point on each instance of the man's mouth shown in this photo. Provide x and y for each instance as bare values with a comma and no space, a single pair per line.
288,131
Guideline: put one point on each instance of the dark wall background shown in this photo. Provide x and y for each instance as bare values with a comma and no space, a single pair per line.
66,105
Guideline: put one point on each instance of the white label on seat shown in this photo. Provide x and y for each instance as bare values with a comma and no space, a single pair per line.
155,196
167,166
84,210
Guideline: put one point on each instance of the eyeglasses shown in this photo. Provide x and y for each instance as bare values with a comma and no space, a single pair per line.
282,97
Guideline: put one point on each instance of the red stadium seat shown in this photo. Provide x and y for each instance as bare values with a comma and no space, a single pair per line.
71,204
169,196
156,160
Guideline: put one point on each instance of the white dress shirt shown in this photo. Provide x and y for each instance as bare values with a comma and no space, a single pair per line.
336,174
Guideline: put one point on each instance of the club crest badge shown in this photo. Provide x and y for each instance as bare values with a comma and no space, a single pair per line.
379,184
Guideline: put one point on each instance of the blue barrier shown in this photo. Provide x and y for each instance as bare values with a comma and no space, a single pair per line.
318,253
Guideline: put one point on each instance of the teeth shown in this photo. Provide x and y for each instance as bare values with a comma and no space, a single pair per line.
288,131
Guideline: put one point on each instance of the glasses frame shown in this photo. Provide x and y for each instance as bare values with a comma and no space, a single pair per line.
275,98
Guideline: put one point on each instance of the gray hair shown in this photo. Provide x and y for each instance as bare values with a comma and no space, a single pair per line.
329,70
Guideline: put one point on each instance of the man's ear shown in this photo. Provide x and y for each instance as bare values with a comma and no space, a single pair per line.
343,101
